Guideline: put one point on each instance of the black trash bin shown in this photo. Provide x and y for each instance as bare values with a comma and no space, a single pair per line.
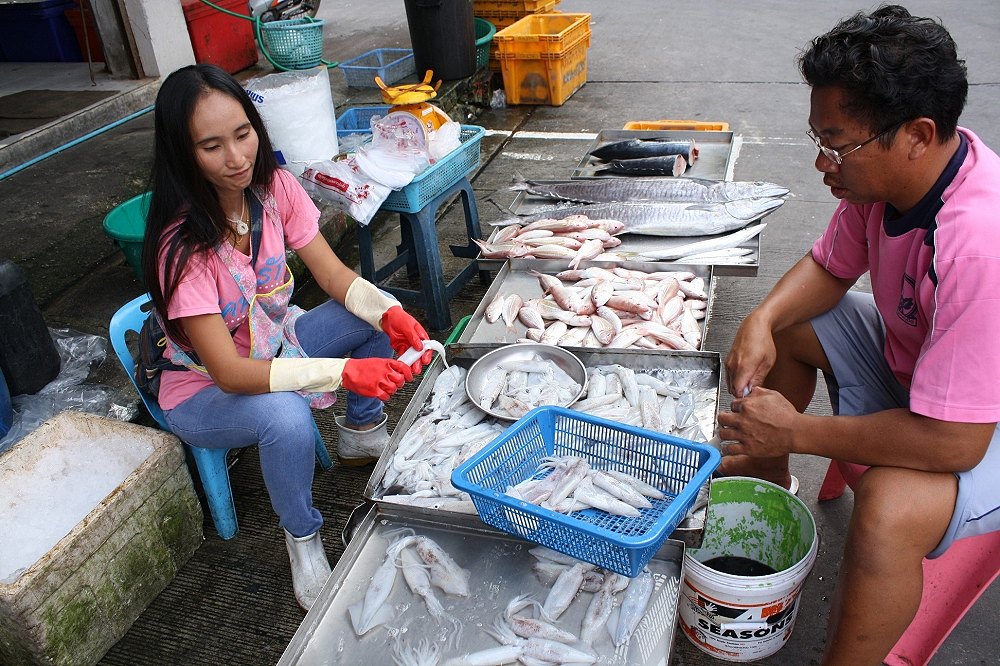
443,37
28,357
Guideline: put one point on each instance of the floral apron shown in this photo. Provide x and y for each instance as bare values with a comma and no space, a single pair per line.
270,316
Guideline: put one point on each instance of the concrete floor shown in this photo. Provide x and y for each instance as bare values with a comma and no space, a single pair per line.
648,60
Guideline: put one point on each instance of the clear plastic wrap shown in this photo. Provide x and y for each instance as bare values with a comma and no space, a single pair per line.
78,353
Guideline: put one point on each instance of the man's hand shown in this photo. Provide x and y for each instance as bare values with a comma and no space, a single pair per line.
751,356
761,425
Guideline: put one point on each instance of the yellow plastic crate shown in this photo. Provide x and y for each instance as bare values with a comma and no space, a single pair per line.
504,18
545,78
697,125
513,6
543,34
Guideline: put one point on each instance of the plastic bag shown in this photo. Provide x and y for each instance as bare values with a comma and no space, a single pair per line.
345,187
298,111
444,140
77,351
392,167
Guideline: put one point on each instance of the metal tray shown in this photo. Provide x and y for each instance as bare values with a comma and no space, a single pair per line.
715,155
514,278
704,363
528,204
500,568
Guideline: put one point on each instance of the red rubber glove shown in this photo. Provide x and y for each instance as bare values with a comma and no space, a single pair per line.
404,332
375,377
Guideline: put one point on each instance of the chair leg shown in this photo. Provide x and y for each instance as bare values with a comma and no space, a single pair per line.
214,476
322,454
952,584
833,483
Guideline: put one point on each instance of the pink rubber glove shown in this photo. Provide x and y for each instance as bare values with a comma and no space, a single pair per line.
404,332
375,377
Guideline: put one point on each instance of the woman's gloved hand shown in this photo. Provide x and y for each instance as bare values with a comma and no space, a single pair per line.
375,377
366,301
404,332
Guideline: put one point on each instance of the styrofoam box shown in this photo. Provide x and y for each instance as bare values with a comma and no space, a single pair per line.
76,599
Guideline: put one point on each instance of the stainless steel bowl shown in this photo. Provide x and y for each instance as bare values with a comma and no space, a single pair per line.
522,351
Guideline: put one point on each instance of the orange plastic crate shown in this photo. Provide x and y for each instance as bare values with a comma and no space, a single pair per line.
700,125
543,33
545,78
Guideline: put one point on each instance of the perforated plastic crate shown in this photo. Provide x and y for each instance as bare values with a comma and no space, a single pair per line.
390,65
678,467
357,119
440,176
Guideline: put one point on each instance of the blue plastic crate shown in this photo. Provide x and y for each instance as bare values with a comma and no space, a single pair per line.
357,119
390,65
440,176
678,467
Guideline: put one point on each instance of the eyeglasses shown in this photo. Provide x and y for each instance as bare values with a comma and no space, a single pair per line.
836,156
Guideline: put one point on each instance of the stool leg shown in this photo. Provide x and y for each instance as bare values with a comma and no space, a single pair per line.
431,273
366,253
472,229
406,245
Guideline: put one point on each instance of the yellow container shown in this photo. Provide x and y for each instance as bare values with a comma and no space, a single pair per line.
513,6
543,33
700,125
545,78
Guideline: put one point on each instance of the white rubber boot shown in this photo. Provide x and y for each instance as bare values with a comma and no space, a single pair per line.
310,568
360,447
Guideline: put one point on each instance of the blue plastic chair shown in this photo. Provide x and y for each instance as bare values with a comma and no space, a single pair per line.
211,463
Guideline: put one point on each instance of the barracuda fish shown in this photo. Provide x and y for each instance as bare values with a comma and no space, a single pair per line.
640,148
664,165
607,190
661,218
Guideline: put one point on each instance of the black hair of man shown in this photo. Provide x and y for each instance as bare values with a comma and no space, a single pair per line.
893,67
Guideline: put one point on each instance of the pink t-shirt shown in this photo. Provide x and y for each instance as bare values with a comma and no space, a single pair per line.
933,271
208,287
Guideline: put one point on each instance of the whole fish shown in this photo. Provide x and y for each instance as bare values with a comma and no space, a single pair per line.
606,190
658,218
640,148
664,165
708,245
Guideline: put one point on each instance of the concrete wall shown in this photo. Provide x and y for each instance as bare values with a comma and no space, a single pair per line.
161,36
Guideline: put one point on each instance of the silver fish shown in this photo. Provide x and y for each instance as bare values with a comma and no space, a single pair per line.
664,165
654,218
607,190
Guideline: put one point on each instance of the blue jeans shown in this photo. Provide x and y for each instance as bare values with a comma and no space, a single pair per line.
281,424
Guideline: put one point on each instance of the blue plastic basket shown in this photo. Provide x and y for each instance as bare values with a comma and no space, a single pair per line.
390,65
678,467
357,119
439,177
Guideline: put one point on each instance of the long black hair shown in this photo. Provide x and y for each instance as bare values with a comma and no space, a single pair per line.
893,67
180,191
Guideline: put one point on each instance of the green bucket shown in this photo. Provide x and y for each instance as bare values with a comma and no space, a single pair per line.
126,225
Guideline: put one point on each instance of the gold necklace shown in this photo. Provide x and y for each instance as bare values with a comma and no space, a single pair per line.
240,224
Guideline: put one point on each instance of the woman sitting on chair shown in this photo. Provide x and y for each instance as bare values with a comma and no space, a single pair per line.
255,364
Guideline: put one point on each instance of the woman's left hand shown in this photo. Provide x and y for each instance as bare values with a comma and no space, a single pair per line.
404,332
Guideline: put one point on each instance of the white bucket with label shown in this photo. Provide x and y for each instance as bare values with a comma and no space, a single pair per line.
747,617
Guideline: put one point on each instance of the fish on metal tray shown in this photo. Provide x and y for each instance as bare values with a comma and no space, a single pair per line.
661,218
607,190
663,165
639,148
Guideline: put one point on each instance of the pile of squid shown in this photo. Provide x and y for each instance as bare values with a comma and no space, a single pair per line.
450,430
569,483
515,387
539,637
614,308
425,565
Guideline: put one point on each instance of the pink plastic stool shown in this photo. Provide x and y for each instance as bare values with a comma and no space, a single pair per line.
952,582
